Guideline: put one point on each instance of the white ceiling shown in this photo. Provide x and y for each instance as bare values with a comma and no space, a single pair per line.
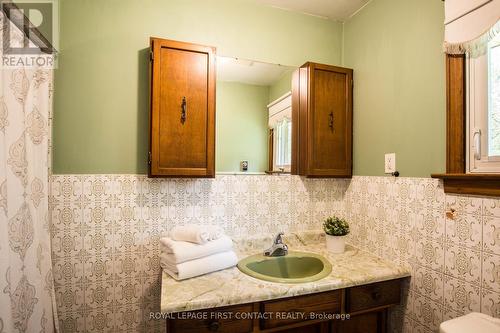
249,71
338,10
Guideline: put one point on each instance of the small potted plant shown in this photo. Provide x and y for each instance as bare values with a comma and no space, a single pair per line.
335,229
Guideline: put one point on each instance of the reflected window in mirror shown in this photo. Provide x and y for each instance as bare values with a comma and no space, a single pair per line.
280,138
250,123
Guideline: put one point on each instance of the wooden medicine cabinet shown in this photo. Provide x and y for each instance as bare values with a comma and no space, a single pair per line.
182,116
322,121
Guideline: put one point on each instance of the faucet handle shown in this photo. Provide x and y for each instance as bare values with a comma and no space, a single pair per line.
278,239
278,248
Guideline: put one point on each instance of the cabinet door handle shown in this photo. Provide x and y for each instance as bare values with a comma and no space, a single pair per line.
477,143
183,109
330,122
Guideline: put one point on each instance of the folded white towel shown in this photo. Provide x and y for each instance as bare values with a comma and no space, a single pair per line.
196,233
215,232
192,268
175,252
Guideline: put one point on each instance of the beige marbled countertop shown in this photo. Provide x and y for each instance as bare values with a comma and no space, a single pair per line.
229,287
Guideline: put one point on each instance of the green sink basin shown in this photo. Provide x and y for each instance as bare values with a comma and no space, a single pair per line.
296,267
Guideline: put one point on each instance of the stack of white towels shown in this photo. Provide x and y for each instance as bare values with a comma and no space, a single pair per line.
194,250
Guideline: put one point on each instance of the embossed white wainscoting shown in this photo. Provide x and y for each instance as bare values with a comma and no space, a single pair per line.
106,228
106,231
455,262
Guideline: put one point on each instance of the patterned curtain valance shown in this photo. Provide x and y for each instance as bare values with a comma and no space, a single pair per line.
470,25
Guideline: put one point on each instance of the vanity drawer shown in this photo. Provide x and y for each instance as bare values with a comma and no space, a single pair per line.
282,310
222,320
373,295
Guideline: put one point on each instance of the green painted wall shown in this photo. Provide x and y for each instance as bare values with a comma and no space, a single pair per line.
101,99
395,49
242,119
101,95
281,87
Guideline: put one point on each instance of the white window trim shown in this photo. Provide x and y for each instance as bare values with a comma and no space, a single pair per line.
279,110
477,86
276,166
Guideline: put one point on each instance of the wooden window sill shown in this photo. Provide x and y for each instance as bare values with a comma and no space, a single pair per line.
277,172
475,184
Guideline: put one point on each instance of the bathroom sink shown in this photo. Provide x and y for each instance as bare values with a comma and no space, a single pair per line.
296,267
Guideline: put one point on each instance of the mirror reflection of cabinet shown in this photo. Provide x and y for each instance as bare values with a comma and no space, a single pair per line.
182,118
247,91
322,118
265,122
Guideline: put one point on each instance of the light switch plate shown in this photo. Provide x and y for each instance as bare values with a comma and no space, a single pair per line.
390,163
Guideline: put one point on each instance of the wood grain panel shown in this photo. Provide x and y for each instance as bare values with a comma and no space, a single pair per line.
323,99
329,121
327,302
455,114
183,78
371,322
303,120
373,295
476,184
223,320
182,146
316,328
367,306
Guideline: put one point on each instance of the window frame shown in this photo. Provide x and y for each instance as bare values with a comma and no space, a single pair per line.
456,180
477,103
283,106
286,145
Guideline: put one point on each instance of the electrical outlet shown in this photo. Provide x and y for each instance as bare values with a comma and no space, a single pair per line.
390,163
244,165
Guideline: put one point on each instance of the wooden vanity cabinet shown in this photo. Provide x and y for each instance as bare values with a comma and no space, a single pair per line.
322,121
370,322
222,320
182,115
328,302
367,306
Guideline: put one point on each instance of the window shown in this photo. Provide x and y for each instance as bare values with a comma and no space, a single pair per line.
283,145
494,100
280,143
483,118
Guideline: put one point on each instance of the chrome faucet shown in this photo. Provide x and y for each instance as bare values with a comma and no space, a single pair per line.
278,248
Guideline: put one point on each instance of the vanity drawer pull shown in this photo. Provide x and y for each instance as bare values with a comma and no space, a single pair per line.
214,326
376,295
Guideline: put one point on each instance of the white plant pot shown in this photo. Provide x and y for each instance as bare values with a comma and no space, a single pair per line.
335,244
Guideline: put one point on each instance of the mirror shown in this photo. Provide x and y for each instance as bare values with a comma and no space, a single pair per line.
253,117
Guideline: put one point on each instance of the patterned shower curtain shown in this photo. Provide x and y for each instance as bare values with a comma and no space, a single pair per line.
26,283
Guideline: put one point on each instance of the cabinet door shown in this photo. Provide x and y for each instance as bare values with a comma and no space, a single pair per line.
371,322
182,123
316,328
328,302
222,320
362,298
330,121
